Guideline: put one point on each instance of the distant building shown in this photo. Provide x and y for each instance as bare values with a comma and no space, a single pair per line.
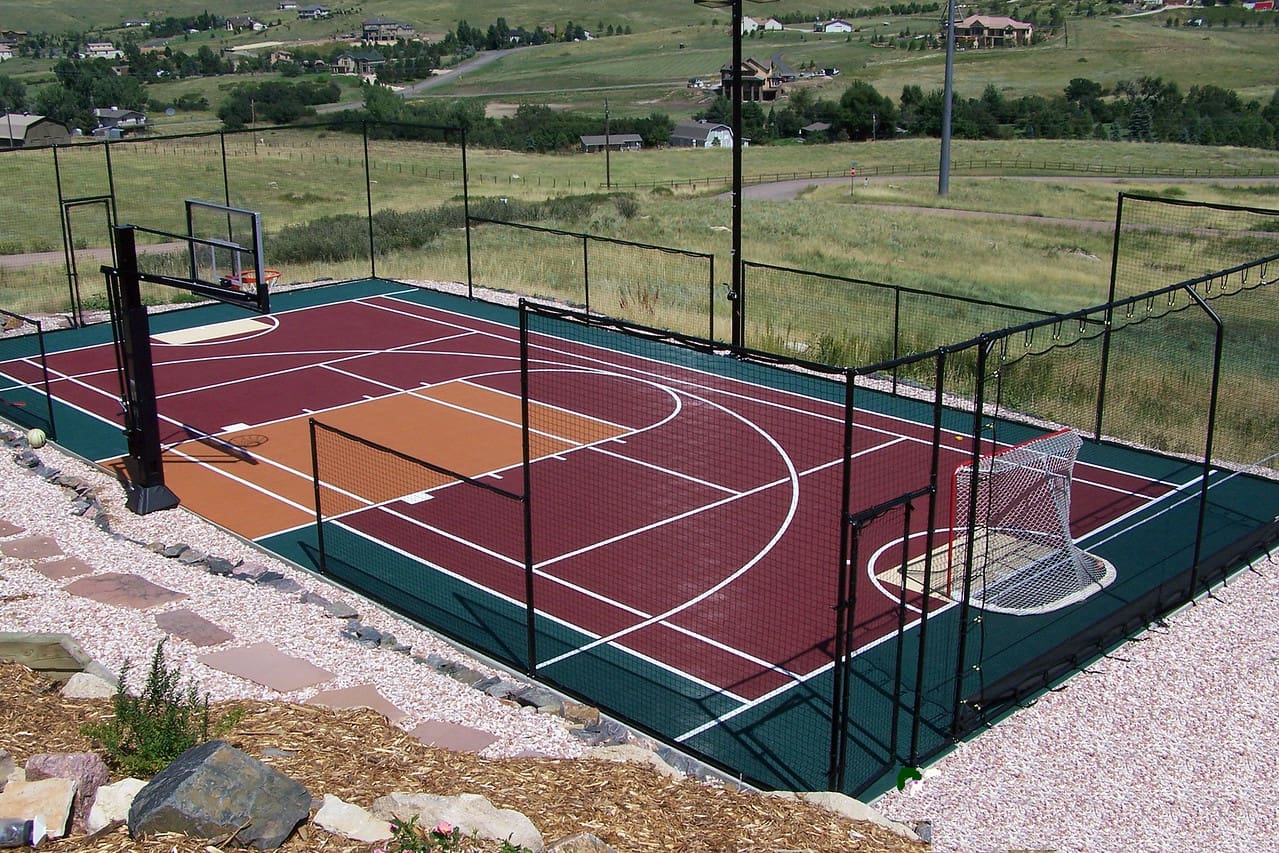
24,130
235,23
384,29
760,82
615,142
311,13
121,121
749,24
834,25
6,52
358,62
286,5
701,134
992,31
772,25
101,50
136,22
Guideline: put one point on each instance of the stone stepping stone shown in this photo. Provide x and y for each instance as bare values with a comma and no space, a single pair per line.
192,627
359,696
67,567
123,590
8,528
262,663
452,736
31,548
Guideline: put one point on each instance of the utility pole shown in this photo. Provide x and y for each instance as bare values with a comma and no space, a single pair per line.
943,171
608,169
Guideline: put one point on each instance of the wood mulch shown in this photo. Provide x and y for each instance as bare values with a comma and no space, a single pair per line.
358,756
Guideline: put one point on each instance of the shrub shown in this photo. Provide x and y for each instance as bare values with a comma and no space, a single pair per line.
149,731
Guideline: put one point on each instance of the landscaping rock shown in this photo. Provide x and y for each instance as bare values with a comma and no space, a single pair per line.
112,803
582,842
848,807
214,790
351,821
6,767
624,753
87,770
86,685
469,812
48,799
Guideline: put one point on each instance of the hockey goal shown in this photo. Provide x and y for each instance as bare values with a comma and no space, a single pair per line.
1024,559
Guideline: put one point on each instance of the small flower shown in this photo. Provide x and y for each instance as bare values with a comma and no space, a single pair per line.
444,828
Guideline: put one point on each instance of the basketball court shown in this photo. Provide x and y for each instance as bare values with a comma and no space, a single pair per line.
675,644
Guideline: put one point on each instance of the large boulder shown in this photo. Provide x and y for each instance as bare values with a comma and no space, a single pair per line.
86,768
469,812
214,790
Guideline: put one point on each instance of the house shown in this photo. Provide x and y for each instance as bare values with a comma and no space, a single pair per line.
136,22
118,119
101,50
384,29
783,70
760,82
834,25
236,23
311,13
6,52
24,130
287,5
749,24
701,134
818,130
773,25
613,142
358,62
280,55
992,31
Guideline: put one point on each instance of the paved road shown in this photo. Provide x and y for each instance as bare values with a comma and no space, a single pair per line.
478,61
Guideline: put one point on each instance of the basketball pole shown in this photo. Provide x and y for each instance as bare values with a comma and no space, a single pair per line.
145,462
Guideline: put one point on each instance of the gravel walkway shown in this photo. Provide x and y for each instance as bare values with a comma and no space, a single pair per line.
1170,744
29,601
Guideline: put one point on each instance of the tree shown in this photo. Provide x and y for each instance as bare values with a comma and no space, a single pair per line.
13,95
862,110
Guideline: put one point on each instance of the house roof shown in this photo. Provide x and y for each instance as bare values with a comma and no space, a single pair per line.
816,127
18,123
613,138
700,130
993,22
115,112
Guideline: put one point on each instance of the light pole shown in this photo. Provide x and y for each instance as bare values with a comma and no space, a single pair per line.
608,170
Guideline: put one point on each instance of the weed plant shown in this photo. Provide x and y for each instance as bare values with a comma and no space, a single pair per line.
148,731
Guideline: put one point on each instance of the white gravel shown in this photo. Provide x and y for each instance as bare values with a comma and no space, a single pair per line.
31,602
1170,744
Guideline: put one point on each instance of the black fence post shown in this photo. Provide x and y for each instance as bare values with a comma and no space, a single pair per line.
1110,312
368,194
319,507
970,523
846,579
586,271
466,213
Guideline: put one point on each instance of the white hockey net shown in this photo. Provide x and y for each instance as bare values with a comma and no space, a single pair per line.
1023,557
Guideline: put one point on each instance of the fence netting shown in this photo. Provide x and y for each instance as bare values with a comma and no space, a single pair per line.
655,286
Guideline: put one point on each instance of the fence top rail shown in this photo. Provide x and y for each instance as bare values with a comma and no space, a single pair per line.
413,460
1189,203
670,250
969,300
1084,316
